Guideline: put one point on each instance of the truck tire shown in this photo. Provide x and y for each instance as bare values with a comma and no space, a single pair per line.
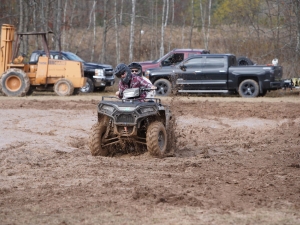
63,87
156,139
88,87
248,89
244,61
95,140
163,87
14,82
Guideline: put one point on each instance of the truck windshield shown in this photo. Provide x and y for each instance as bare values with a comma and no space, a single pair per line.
74,57
160,59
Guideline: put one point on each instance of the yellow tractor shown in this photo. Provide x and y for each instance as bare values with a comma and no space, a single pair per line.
19,79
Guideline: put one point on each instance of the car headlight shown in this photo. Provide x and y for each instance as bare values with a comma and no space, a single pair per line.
147,110
107,108
99,73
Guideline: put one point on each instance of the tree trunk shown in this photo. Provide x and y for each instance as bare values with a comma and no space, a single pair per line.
117,32
58,26
132,26
94,33
103,53
64,23
87,29
172,26
162,50
192,24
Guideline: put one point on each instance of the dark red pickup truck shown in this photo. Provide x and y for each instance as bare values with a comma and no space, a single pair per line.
173,57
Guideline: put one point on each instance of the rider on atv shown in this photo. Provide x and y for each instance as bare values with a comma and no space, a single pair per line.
129,80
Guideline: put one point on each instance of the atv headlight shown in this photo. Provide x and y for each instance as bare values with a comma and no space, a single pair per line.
107,108
127,109
99,73
147,110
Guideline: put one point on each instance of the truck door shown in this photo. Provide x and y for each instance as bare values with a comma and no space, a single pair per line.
190,75
214,73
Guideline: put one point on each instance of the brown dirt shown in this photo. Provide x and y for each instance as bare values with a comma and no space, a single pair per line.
237,162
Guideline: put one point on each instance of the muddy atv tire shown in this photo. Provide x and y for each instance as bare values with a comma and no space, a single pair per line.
63,87
95,140
156,139
14,82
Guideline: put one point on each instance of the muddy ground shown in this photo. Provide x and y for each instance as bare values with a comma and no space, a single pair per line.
237,161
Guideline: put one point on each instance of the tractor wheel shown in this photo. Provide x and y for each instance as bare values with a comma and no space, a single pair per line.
63,87
88,87
163,87
14,82
156,139
248,89
95,140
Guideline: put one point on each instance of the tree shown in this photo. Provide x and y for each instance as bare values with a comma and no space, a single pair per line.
132,28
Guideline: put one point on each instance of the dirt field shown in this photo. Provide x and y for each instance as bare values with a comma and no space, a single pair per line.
237,161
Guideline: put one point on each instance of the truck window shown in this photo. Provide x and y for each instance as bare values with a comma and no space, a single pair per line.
216,62
173,59
194,62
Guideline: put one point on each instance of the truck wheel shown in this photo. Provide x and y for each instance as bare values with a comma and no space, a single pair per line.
244,61
163,87
156,139
14,82
248,89
95,140
63,87
88,87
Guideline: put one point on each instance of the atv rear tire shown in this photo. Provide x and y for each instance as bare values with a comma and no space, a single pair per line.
156,139
14,82
63,87
95,140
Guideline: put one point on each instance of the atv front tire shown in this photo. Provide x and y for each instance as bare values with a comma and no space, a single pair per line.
156,139
95,140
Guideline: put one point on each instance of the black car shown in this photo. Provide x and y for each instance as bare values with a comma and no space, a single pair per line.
98,76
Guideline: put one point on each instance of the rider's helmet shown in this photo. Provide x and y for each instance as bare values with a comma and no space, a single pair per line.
121,69
136,68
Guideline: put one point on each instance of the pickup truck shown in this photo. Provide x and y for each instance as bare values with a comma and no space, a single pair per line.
173,57
216,73
98,76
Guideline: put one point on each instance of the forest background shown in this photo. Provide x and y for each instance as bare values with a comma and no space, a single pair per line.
114,31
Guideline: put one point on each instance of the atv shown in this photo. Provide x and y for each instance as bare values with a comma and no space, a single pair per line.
131,123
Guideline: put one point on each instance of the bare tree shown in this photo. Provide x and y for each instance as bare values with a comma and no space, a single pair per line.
192,24
162,50
205,25
117,31
58,25
132,26
105,28
172,21
94,33
88,27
